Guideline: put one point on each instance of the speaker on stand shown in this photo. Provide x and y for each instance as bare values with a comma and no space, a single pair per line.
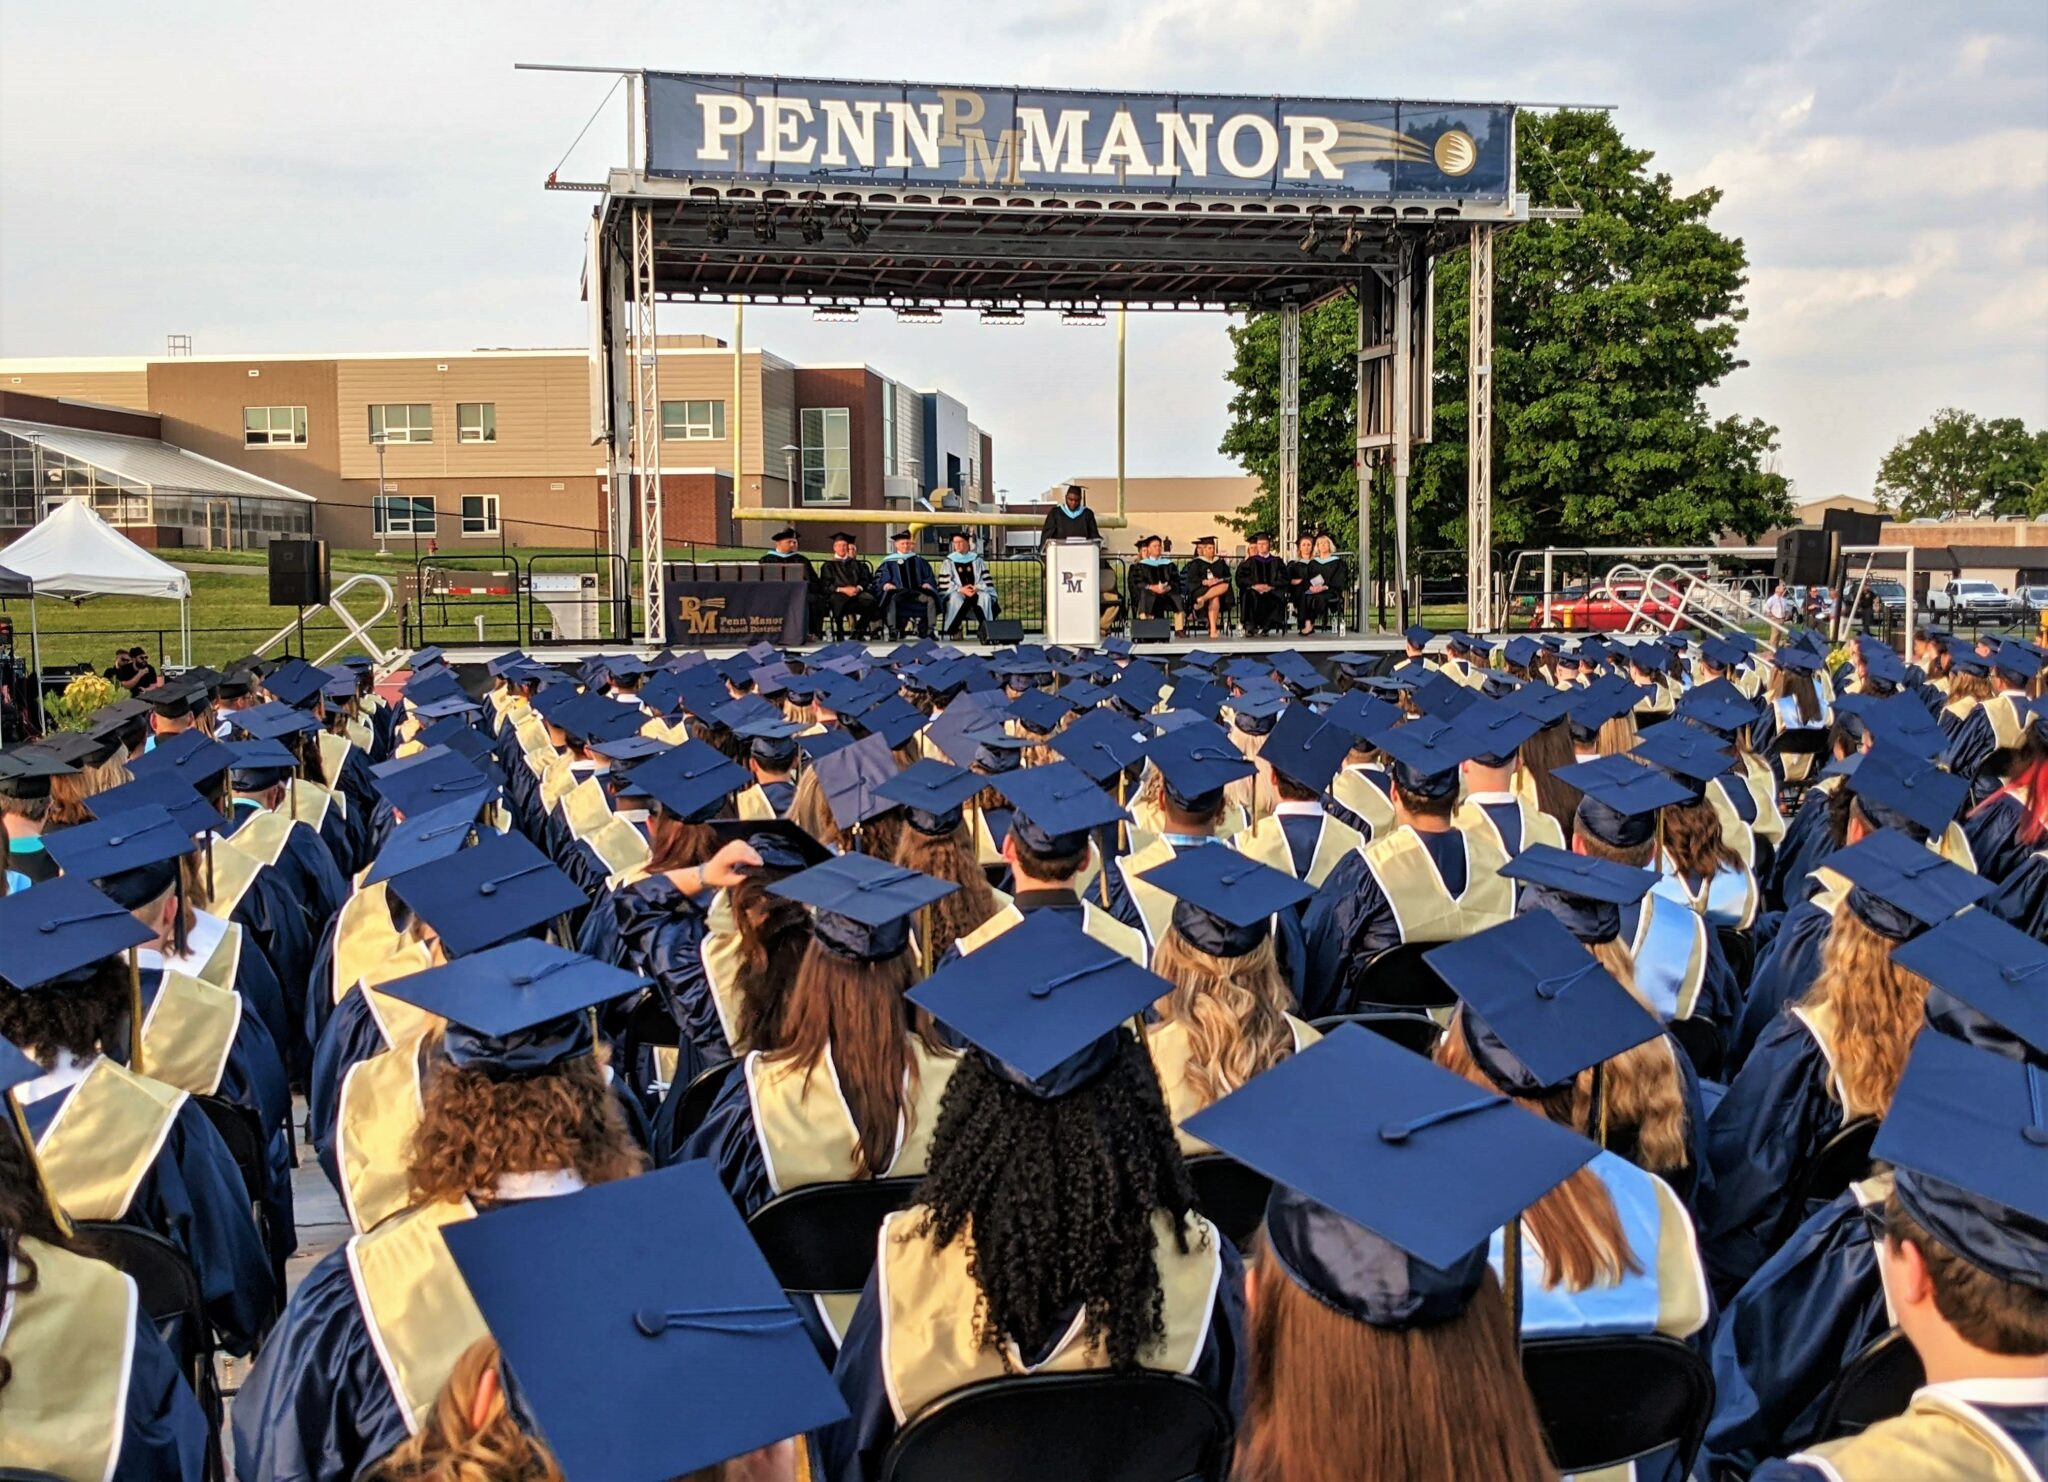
299,578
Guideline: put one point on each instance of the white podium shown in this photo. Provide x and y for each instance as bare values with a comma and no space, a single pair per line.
1073,592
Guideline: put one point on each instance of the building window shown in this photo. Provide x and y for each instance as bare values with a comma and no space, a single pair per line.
273,427
475,422
692,421
402,514
400,423
828,466
479,514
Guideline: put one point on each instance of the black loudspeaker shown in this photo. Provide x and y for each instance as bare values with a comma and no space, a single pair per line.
298,573
1005,630
1151,630
1806,558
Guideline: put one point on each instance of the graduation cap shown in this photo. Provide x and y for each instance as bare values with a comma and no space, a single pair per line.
505,663
120,715
895,720
1897,790
1425,754
819,744
431,654
25,772
932,794
194,814
256,765
1364,715
1539,1007
1901,886
1881,665
1224,901
1543,703
340,686
424,838
1055,806
1196,762
1047,1012
1197,694
504,888
590,718
692,780
1718,706
1201,658
611,1335
174,699
273,722
1306,748
1440,697
1723,654
59,928
1296,670
1903,721
1040,711
1584,893
459,736
430,779
2021,660
849,776
1417,636
781,844
1389,1223
1521,651
517,1008
1119,648
132,857
623,751
1967,1137
861,906
1621,799
1691,757
1102,743
78,748
1651,658
296,682
1797,658
452,706
1494,730
188,756
1989,983
996,752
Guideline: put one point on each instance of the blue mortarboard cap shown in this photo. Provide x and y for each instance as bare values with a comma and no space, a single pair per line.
1244,671
429,685
1048,1009
1223,900
690,780
1494,730
59,927
161,790
1895,788
1440,697
625,750
1796,657
895,720
1902,886
849,776
445,709
340,688
517,1008
1296,670
430,779
272,722
1883,666
862,905
1539,1008
431,654
1039,711
1579,875
1723,654
1543,703
1198,695
596,1356
296,682
1903,721
1196,762
1390,1222
1621,798
1521,650
423,838
505,662
1102,743
1990,982
1307,748
504,888
1363,714
746,708
259,764
1967,1138
1417,635
933,792
781,844
1426,753
16,1069
591,718
459,736
132,856
1693,757
188,756
1054,807
819,744
1719,706
1201,658
1651,658
2019,659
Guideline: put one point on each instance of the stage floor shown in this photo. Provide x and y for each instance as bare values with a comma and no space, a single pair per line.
1312,648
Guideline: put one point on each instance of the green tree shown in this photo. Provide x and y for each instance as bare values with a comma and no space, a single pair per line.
1960,464
1607,329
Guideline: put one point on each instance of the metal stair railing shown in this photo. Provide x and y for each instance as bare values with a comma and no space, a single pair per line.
1690,601
358,630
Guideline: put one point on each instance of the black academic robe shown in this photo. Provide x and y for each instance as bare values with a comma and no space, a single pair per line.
1262,610
1062,523
1155,572
1197,575
811,593
851,572
900,581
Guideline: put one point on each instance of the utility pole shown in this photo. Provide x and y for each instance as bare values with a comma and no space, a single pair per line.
380,512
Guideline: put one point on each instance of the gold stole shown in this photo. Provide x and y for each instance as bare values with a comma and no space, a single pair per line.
585,808
105,1136
1955,848
2006,728
720,954
619,846
264,836
1424,908
1961,708
986,854
1538,827
1155,906
1168,1043
1819,1020
310,802
243,855
399,1022
223,965
1351,789
334,752
188,1033
1763,787
1940,1438
71,1342
1736,834
929,1303
378,1111
363,937
357,732
1266,842
754,806
1127,941
415,1303
557,777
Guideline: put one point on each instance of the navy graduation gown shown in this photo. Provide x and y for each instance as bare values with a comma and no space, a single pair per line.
351,1035
661,931
1973,745
164,1433
1783,974
1760,1138
1350,921
1784,1339
1993,831
1808,841
2023,898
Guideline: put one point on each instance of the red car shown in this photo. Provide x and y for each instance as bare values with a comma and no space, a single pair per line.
1608,609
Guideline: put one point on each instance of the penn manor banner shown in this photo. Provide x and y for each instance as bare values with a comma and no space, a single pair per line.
887,135
736,612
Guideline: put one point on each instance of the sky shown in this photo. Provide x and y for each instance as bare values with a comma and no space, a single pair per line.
369,177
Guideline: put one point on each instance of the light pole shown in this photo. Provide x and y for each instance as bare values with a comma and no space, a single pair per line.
789,452
380,512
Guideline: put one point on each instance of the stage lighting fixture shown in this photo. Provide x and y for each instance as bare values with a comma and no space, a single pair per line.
1312,239
717,226
813,230
916,314
1084,318
764,225
835,313
1350,243
857,231
1002,316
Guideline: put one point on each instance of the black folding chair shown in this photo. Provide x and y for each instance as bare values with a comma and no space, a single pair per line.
1875,1385
27,1474
242,1131
1231,1195
1094,1427
1842,1160
820,1239
1407,1028
1608,1400
1398,979
1700,1038
1739,947
1810,742
698,1097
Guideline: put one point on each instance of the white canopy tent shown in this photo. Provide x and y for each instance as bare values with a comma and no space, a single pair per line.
74,554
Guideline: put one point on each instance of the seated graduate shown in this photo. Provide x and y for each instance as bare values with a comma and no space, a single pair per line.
115,1145
2004,828
906,589
1833,1056
1425,880
1815,830
1745,795
1965,1264
87,1386
1226,1019
314,797
1784,1340
1301,574
1380,1339
512,1106
970,590
587,1364
770,756
1969,686
1070,519
1055,1231
25,775
198,1036
1262,587
783,552
1297,764
1700,868
1796,704
1543,1021
1194,765
1205,585
1492,801
846,580
1155,580
935,842
1981,747
266,777
1360,794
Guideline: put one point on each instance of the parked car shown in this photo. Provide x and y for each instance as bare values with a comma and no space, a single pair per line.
1607,609
2034,599
1973,599
1880,595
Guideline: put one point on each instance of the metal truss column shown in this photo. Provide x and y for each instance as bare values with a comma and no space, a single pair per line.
615,365
1401,418
1290,424
1479,436
647,428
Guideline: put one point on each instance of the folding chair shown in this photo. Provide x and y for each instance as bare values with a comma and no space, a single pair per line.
1842,1160
1399,980
1408,1028
820,1239
1609,1400
1231,1195
1875,1385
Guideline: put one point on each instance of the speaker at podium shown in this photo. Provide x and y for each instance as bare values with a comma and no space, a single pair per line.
1073,591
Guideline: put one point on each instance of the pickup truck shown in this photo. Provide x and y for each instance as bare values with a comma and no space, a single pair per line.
1968,597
